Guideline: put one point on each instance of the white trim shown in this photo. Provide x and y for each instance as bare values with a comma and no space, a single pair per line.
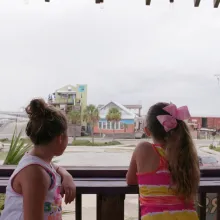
123,118
108,123
123,108
66,92
119,123
104,122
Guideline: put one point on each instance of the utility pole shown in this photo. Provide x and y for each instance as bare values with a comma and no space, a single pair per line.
217,77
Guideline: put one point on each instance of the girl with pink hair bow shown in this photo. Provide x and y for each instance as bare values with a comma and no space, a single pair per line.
166,171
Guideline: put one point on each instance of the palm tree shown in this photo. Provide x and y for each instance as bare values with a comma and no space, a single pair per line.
114,116
91,116
74,117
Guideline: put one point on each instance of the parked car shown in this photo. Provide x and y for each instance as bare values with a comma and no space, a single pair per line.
83,133
208,161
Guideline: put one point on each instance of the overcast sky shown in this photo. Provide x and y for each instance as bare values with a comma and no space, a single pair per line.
125,52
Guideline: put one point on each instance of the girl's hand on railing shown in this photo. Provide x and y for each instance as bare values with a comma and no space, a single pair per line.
68,189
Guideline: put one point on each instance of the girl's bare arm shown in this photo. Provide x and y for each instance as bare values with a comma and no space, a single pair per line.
131,176
35,183
62,171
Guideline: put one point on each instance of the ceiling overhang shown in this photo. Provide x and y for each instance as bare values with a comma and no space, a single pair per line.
148,2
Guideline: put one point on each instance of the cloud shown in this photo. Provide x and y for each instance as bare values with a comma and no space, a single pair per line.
126,52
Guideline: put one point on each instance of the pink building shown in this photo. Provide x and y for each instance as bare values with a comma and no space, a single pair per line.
206,122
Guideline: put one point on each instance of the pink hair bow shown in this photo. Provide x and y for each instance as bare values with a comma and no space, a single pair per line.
169,122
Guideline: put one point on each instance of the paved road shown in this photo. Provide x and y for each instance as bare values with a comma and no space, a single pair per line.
110,156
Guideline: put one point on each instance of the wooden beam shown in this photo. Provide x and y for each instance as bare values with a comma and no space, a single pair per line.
196,3
108,171
202,206
78,207
218,205
216,3
148,2
110,207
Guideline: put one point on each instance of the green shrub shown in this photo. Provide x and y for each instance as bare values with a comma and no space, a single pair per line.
80,142
2,201
26,140
211,146
17,149
115,143
3,140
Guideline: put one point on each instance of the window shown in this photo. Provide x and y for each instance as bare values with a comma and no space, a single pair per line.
117,125
108,125
204,122
104,125
100,125
113,125
121,125
63,96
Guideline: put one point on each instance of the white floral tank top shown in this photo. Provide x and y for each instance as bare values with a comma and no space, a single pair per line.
14,202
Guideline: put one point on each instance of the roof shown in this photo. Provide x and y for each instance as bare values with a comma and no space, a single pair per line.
66,92
65,88
126,106
121,107
207,116
133,106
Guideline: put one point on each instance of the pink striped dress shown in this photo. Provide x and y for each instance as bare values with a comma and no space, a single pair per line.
157,200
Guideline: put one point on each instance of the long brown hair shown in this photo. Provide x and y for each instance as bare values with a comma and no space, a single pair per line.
181,152
45,122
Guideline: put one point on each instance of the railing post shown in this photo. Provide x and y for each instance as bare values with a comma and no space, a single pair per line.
110,207
139,208
218,207
202,206
78,207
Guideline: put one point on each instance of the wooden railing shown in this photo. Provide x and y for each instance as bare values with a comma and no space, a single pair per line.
109,184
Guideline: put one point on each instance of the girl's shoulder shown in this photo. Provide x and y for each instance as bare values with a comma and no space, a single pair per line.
33,171
30,177
146,158
143,145
144,148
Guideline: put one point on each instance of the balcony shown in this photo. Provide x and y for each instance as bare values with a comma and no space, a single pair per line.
63,102
110,188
